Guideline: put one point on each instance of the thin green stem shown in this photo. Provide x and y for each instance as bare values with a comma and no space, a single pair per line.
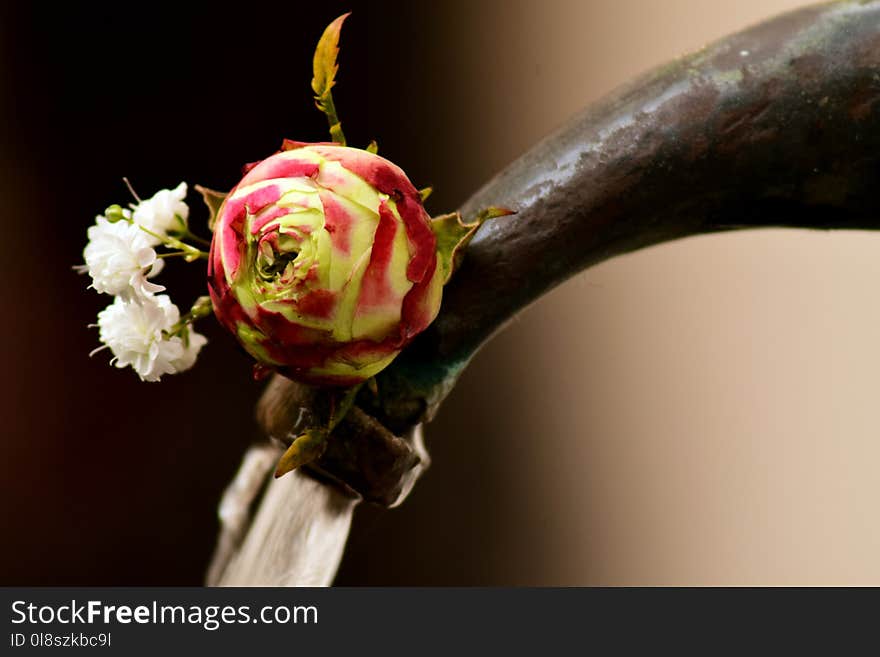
201,308
329,108
341,407
190,252
195,238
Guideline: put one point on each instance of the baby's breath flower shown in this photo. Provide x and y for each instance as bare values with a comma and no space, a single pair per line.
137,334
164,213
119,258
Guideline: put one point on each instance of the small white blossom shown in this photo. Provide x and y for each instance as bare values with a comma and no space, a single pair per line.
163,213
134,333
119,258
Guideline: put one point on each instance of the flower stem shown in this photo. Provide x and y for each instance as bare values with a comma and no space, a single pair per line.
173,254
329,108
195,238
201,308
189,252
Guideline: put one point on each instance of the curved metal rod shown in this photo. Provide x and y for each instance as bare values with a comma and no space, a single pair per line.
778,125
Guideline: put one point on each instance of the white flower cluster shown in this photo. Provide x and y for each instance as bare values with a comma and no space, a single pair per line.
143,330
120,258
166,212
134,333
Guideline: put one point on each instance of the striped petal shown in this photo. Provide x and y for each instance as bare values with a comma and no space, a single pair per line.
324,263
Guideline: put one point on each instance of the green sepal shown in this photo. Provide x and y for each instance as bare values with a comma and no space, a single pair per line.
311,443
372,147
213,200
324,70
307,447
425,192
453,234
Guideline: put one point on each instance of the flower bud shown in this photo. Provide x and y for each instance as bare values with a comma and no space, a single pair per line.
115,213
324,264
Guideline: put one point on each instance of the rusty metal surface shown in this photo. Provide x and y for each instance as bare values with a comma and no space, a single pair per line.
778,125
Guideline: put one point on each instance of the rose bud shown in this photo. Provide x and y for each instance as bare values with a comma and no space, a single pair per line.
324,263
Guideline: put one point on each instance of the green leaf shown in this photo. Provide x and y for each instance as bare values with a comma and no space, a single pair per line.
373,147
213,200
425,192
324,62
324,69
453,234
307,447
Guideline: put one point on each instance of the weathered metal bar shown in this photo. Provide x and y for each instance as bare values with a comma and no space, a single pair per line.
777,125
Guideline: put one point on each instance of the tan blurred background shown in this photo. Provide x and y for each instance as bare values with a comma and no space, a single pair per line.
702,412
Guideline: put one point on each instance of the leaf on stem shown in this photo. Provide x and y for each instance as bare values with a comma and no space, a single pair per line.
324,69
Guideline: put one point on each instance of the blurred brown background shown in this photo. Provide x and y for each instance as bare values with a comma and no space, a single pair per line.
703,412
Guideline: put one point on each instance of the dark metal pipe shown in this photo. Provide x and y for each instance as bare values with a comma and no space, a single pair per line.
778,125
